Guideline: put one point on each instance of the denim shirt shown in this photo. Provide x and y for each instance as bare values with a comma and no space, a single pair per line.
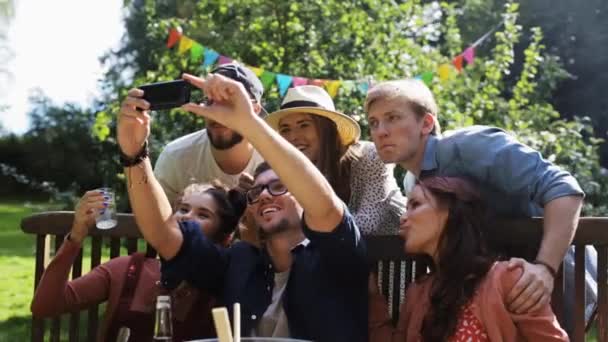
514,180
326,294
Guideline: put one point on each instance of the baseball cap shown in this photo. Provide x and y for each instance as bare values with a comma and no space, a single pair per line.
244,75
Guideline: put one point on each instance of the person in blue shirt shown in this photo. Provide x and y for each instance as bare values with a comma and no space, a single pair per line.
516,181
309,279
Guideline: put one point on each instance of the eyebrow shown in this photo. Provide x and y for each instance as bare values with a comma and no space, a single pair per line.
297,122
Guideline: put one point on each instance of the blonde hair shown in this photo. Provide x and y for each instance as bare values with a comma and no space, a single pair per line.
413,91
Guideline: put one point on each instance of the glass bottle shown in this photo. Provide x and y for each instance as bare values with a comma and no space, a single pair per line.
163,327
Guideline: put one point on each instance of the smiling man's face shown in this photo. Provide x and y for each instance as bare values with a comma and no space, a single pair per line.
274,214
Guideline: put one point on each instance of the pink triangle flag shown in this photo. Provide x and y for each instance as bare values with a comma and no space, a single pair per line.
298,81
469,54
224,60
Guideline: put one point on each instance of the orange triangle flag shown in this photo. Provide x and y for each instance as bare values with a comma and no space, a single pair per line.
457,61
174,35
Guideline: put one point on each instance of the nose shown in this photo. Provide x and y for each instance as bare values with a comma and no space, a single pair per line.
403,218
264,195
381,129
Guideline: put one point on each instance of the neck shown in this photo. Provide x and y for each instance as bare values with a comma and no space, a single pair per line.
414,164
233,160
279,248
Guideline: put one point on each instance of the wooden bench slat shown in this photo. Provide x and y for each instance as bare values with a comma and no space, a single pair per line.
131,245
602,280
579,293
93,314
56,322
38,324
75,316
114,247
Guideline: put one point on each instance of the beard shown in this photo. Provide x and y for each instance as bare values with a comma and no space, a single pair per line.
266,234
224,143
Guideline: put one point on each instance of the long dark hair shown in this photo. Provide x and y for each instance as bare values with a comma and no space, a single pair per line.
463,255
335,159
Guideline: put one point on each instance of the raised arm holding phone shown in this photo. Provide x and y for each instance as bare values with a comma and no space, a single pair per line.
313,280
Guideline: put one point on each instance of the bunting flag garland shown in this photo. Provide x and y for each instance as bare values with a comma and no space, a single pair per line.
298,81
256,71
224,60
196,52
174,36
444,71
469,55
185,44
267,78
332,87
457,61
284,81
210,57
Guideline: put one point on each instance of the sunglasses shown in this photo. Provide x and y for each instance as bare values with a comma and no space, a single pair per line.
275,188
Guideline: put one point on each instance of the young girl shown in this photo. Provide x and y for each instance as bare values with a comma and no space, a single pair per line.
130,283
308,120
463,298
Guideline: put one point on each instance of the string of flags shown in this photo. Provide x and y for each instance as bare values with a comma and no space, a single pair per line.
209,57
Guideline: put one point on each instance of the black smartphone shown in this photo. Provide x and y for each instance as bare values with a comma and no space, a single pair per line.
167,95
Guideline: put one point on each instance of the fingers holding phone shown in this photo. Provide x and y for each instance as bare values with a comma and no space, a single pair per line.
133,124
229,103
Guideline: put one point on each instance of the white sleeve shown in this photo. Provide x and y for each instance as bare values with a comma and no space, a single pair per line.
165,171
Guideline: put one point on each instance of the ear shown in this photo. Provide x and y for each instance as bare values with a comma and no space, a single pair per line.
257,108
428,123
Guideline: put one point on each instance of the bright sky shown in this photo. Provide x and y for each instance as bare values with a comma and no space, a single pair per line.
56,46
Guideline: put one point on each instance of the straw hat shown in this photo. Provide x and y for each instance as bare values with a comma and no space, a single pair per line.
314,100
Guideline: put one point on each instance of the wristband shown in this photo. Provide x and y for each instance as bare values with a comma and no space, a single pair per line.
547,266
127,161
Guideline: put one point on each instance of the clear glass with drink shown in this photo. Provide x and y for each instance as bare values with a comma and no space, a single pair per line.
107,216
163,326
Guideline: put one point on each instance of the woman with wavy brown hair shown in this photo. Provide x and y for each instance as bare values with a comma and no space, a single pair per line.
464,296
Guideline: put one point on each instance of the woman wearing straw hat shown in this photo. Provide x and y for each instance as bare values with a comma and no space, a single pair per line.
330,139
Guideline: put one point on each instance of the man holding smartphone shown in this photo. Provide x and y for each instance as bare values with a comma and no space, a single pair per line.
215,152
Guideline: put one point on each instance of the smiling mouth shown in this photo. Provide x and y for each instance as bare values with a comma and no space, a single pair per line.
268,211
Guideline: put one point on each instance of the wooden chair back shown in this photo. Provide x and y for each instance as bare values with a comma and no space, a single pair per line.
396,270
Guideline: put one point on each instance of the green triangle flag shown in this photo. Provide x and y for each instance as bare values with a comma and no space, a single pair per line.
427,77
267,78
196,52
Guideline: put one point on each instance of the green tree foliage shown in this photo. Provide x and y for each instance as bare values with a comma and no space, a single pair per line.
372,39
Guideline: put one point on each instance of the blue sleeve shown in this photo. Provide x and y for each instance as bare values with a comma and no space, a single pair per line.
342,250
494,157
199,261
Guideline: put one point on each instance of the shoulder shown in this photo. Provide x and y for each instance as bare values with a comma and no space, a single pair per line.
116,265
369,159
187,143
502,279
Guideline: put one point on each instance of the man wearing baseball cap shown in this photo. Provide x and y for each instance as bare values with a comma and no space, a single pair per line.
215,152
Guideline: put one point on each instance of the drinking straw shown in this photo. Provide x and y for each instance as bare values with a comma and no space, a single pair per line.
222,324
236,322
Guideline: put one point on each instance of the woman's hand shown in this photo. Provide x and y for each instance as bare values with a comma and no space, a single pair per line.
133,123
230,104
85,212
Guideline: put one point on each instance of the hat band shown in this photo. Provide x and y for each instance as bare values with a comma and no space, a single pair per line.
294,104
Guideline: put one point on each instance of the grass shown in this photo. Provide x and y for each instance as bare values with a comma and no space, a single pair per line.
17,261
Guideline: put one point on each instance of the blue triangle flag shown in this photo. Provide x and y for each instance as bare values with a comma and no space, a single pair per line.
283,81
210,57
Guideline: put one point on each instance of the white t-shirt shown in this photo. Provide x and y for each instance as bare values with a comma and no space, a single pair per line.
274,321
188,160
